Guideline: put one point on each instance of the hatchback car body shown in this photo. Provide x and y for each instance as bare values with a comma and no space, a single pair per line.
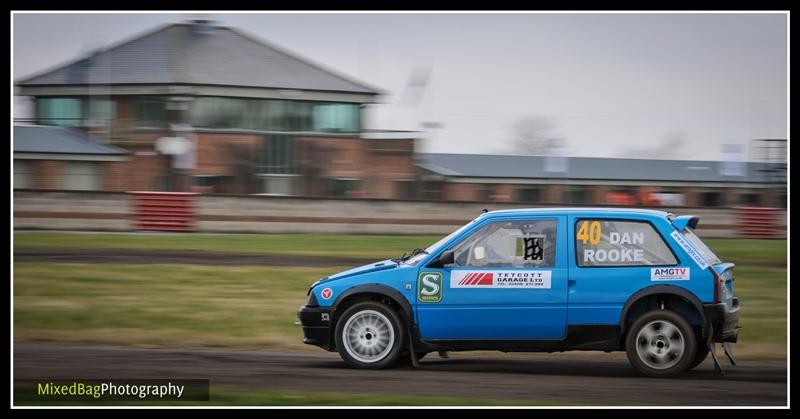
536,280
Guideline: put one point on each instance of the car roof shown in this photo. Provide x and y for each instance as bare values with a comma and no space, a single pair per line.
525,211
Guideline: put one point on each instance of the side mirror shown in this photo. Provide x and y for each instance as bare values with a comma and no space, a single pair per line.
446,258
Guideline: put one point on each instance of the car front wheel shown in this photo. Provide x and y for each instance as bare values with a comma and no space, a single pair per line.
661,344
369,335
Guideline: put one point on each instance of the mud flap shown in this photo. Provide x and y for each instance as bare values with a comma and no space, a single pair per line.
713,350
726,346
411,352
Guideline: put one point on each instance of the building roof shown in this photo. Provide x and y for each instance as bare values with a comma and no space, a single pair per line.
59,140
198,54
586,168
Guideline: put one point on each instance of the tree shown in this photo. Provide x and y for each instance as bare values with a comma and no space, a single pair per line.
533,135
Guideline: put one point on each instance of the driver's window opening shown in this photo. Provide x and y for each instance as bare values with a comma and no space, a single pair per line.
510,244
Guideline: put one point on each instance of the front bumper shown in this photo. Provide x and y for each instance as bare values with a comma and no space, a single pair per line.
316,324
724,320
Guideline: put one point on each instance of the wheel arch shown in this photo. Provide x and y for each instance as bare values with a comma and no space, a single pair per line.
374,292
645,295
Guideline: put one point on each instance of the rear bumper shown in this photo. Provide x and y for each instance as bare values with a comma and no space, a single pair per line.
316,324
724,320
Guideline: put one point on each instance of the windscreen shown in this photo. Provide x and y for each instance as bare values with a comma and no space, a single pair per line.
432,248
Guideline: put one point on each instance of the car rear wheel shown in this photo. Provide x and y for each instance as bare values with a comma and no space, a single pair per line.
369,335
661,343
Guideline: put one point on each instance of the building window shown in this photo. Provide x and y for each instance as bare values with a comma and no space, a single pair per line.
82,176
60,111
275,115
750,199
151,112
164,182
432,190
529,194
577,195
406,189
344,187
23,174
209,183
484,192
101,112
336,117
299,116
277,154
711,199
278,184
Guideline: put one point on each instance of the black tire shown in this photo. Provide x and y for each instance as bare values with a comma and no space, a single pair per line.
700,354
396,338
653,356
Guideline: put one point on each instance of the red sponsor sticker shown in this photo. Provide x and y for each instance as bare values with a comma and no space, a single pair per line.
327,293
478,278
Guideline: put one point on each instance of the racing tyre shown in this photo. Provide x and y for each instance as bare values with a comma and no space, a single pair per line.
370,335
661,344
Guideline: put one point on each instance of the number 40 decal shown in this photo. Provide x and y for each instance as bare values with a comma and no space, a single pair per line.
589,232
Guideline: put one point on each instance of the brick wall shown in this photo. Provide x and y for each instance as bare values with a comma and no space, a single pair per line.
219,153
139,173
47,174
459,192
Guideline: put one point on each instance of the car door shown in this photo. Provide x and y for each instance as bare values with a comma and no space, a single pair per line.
508,282
613,258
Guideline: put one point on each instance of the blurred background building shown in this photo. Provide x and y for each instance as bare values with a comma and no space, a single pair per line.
196,107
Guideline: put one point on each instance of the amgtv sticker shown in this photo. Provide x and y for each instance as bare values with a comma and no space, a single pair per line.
669,274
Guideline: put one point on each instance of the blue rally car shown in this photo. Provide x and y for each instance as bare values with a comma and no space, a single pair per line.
537,280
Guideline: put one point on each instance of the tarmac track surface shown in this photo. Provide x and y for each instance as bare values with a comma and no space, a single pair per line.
588,378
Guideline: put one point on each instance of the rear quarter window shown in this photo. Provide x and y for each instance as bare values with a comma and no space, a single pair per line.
606,243
710,256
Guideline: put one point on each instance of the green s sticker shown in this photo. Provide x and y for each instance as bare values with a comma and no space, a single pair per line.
429,287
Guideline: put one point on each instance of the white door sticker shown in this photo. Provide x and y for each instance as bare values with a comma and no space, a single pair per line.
698,258
669,274
500,279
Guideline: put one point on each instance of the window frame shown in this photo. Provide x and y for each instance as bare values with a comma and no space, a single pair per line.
140,103
584,190
678,260
71,122
27,173
69,177
522,191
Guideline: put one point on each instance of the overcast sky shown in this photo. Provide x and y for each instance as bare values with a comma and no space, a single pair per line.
608,82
